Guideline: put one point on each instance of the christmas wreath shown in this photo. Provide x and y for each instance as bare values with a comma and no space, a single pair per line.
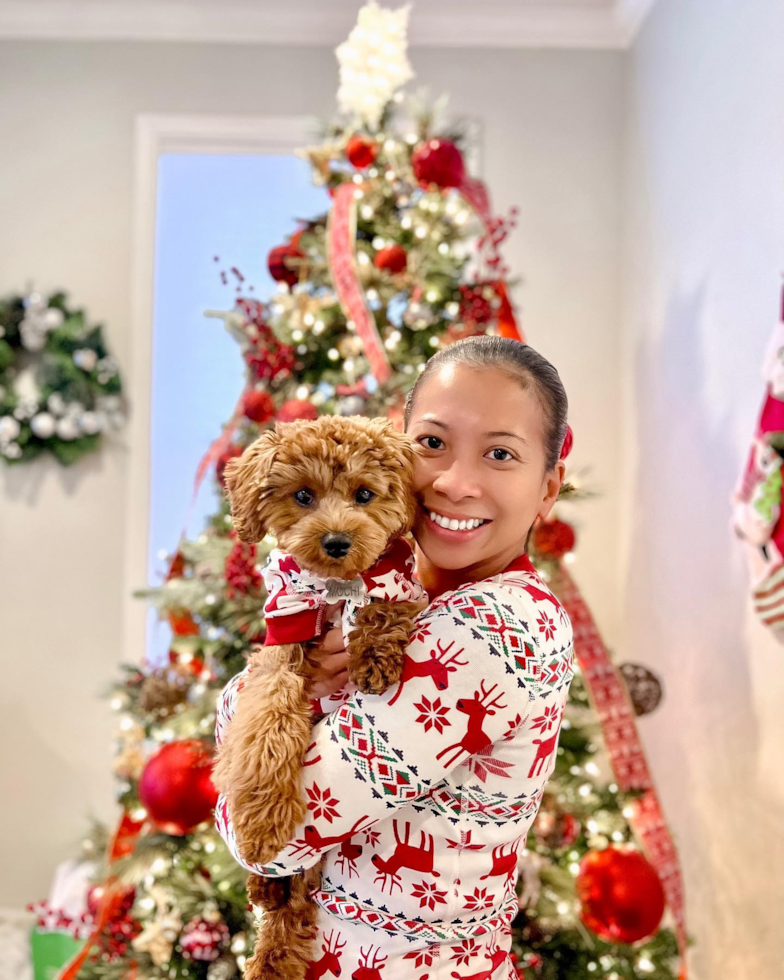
60,388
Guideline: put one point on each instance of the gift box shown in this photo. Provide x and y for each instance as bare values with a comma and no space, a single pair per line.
50,951
63,921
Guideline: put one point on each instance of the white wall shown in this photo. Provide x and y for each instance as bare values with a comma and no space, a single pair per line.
704,252
552,146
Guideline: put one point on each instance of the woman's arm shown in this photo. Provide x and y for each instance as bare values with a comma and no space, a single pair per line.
471,677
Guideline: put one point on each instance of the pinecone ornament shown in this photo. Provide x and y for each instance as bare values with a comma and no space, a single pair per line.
164,690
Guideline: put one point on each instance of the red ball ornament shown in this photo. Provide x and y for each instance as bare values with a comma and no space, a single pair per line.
361,152
297,408
95,896
278,261
621,894
258,406
438,162
393,259
554,539
204,941
176,786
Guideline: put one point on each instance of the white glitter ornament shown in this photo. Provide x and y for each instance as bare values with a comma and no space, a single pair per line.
56,403
90,423
85,358
39,320
373,62
9,428
67,428
43,425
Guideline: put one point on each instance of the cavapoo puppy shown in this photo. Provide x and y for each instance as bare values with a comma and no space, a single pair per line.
337,494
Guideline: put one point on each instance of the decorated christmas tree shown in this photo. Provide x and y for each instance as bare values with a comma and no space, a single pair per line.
404,260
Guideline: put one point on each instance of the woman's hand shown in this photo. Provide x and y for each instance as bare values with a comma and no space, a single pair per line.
330,657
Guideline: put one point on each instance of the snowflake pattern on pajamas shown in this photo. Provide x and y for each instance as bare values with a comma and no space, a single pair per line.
421,798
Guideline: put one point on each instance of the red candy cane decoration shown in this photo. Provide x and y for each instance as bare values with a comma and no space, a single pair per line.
341,237
619,729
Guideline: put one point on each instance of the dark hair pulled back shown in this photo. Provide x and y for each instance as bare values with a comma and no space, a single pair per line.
521,362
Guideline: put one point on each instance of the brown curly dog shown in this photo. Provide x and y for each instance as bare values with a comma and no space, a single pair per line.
310,484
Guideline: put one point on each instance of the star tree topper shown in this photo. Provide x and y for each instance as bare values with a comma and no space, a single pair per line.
374,62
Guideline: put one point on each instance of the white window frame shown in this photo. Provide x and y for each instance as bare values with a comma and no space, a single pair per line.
154,135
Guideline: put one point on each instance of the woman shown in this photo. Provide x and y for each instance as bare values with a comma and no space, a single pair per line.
422,797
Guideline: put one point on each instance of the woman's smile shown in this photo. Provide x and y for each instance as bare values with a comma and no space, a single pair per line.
453,527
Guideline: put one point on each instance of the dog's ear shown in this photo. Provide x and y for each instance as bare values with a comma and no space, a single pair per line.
246,479
400,447
399,455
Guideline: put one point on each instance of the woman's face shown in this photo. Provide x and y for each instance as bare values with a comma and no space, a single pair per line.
480,457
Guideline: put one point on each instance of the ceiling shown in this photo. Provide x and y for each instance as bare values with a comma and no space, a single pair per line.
434,23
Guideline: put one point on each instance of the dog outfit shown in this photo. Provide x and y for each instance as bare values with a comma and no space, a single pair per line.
301,604
422,797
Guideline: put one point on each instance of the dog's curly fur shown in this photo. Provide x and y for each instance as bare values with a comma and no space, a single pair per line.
259,764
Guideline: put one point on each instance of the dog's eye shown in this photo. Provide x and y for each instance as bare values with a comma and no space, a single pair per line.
304,497
363,495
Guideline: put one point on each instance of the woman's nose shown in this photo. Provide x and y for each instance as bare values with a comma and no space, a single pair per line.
457,481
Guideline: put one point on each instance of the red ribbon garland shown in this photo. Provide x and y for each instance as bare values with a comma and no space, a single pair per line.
619,729
341,236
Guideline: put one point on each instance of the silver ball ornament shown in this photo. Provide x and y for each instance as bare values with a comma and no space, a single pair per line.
67,428
43,425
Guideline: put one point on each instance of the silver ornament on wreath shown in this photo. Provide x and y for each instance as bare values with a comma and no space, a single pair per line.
644,687
60,388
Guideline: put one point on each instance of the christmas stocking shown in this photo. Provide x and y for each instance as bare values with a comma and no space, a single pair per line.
757,501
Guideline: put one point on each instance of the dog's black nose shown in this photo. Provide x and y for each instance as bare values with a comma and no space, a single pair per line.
336,545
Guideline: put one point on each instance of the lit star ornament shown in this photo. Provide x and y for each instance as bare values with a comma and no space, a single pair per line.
373,62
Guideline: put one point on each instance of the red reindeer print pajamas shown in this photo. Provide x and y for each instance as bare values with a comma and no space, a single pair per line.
421,798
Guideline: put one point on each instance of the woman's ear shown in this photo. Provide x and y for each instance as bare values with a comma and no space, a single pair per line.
246,479
552,489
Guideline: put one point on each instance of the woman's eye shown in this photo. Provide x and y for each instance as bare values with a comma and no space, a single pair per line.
363,495
430,442
502,455
304,497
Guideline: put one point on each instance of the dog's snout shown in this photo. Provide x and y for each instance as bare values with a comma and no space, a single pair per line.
336,545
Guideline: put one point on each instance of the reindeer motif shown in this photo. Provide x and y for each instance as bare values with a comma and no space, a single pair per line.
405,856
372,970
347,855
310,762
503,864
313,842
477,709
438,667
497,957
538,595
543,753
329,962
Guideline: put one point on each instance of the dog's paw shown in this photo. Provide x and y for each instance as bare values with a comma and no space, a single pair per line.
372,674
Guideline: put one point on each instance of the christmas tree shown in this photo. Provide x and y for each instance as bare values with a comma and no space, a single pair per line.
404,260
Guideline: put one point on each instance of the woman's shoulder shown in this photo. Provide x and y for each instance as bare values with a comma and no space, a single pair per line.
522,587
517,596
